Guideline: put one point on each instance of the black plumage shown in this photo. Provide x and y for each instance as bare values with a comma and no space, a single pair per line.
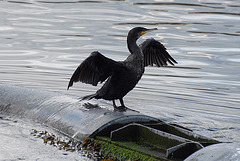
121,76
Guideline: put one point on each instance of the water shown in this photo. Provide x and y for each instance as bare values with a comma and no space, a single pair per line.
17,143
42,43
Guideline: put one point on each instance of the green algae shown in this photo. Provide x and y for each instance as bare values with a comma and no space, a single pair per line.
125,150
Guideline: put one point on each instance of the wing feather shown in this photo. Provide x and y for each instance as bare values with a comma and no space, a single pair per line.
155,53
94,69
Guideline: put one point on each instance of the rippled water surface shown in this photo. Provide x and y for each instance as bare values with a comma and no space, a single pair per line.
43,41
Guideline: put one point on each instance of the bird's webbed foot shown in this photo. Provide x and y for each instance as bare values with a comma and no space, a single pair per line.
121,108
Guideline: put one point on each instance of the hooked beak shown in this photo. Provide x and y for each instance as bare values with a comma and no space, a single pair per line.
148,30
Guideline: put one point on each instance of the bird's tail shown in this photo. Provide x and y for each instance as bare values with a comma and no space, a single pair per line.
88,97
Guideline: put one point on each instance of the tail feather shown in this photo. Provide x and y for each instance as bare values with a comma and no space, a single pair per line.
88,97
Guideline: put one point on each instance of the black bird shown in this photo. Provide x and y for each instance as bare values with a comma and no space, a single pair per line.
121,76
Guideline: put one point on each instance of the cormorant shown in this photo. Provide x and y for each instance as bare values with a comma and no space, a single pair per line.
121,76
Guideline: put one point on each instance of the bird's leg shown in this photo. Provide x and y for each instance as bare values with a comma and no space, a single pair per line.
123,107
114,104
121,101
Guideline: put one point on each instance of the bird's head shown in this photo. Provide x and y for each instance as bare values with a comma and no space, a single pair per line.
136,32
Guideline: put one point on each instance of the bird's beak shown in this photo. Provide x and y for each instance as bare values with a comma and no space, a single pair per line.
148,30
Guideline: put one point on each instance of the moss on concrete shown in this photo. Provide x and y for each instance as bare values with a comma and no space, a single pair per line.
125,150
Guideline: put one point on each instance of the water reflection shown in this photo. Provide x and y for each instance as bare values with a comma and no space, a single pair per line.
202,32
162,23
62,2
219,13
77,35
57,2
19,2
183,4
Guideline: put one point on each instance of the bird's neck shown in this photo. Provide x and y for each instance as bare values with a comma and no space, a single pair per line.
132,46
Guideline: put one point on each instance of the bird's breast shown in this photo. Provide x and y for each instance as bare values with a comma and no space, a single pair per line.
135,69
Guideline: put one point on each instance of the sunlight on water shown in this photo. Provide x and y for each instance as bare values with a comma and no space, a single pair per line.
42,43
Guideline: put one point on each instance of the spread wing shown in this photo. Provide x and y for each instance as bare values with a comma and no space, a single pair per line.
155,53
96,68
